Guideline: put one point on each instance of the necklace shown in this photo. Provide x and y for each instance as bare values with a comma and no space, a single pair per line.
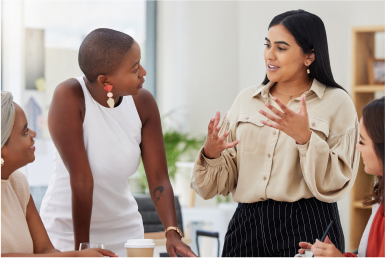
292,95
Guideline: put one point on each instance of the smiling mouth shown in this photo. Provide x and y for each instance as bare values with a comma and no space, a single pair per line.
272,66
32,147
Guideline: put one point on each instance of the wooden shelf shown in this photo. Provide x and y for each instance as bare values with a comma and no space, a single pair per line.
359,205
366,29
368,88
363,48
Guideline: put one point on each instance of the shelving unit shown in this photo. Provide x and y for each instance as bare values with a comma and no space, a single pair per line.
362,93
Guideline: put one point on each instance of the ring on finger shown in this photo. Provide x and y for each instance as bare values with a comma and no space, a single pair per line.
283,115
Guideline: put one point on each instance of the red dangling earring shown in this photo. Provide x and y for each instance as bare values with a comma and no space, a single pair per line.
110,101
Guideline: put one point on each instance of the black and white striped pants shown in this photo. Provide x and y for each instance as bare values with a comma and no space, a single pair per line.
272,228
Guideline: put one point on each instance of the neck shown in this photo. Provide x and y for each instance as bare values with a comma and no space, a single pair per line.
294,86
98,93
7,170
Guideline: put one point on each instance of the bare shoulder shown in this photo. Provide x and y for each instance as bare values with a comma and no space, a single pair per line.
146,105
69,89
69,95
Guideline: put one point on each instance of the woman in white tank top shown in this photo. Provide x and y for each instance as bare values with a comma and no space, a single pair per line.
98,145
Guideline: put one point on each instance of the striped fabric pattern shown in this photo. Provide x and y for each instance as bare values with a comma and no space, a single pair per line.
274,229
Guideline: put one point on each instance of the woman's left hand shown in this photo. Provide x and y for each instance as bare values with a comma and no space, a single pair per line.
325,249
296,125
175,246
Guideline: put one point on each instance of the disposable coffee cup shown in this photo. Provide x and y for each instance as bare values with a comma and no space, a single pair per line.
308,253
140,247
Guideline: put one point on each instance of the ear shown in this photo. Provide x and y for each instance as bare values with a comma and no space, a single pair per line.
310,58
102,80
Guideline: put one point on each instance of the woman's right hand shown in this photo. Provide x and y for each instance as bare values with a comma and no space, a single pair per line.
215,144
96,252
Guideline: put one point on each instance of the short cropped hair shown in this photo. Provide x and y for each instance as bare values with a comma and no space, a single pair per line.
102,52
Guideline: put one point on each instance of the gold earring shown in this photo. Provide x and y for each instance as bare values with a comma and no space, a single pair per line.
2,162
308,70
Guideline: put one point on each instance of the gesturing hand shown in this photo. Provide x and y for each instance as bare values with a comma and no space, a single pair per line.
296,125
215,144
325,249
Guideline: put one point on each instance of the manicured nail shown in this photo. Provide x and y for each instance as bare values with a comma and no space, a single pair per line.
267,104
212,119
317,241
261,121
218,127
227,132
260,111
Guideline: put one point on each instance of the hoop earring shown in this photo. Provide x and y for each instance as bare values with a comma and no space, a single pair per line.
308,70
2,161
110,101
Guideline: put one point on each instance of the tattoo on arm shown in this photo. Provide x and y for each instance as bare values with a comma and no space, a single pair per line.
158,193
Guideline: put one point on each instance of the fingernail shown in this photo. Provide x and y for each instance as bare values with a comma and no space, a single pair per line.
261,121
260,111
267,104
218,127
227,132
212,119
317,240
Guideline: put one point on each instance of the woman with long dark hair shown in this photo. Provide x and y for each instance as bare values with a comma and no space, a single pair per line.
284,149
372,148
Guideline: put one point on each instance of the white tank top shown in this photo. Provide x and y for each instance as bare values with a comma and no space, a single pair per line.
111,139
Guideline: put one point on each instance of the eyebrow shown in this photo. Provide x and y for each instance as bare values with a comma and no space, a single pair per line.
135,64
362,137
278,42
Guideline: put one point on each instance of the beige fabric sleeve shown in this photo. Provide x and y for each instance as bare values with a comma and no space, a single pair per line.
330,167
20,185
219,176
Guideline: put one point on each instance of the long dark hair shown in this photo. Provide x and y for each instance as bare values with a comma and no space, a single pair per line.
374,122
309,33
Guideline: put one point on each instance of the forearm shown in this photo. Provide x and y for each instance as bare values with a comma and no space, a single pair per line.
81,210
50,250
163,198
213,177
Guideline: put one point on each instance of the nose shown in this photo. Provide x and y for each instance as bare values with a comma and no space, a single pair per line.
144,72
269,54
33,133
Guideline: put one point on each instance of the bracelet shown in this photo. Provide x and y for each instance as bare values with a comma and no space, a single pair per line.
173,228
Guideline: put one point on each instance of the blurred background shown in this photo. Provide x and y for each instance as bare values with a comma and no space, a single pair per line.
198,55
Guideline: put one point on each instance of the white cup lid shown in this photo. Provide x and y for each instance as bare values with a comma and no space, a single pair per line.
139,243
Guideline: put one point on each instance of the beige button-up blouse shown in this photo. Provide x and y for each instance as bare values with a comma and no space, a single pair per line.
15,196
268,164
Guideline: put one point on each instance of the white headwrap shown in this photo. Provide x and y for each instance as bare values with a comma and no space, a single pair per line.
7,116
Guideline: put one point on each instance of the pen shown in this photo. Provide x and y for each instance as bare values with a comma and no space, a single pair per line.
326,232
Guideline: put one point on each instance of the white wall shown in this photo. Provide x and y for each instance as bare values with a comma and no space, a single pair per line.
209,51
198,60
13,65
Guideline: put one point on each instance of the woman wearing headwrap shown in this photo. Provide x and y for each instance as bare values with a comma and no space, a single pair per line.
22,231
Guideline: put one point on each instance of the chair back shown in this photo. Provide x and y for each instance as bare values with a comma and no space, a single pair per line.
151,221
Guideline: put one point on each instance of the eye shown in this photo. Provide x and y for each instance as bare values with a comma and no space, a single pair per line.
267,45
281,49
26,132
360,142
